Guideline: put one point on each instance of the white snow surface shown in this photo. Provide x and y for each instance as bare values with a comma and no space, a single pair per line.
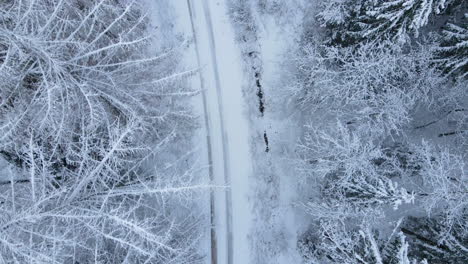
266,38
274,41
226,127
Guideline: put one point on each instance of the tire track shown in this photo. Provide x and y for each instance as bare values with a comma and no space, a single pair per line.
220,110
214,247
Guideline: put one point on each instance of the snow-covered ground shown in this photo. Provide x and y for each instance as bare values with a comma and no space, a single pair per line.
226,130
255,220
265,40
281,136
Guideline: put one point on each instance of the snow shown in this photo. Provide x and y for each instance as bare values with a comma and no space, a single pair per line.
4,170
237,130
226,127
277,222
272,47
247,140
275,40
175,15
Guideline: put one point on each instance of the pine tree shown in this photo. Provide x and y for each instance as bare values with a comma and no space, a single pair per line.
370,191
352,22
340,18
453,52
399,19
334,243
431,238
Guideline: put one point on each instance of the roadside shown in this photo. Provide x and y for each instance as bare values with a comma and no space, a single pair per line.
265,42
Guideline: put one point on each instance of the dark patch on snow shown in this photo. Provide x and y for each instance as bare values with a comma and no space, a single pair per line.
441,118
452,133
265,138
252,54
258,82
261,99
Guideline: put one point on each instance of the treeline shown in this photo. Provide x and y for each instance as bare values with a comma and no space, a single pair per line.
89,113
383,86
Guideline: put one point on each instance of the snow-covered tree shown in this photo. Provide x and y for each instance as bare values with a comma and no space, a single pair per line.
357,180
431,238
453,53
339,18
139,222
360,90
351,170
444,182
399,19
335,12
87,103
351,22
374,86
74,68
368,191
357,171
335,243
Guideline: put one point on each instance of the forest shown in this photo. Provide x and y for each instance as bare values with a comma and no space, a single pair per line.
91,103
382,85
234,131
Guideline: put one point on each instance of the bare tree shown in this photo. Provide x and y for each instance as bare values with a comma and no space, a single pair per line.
85,105
374,87
352,171
444,182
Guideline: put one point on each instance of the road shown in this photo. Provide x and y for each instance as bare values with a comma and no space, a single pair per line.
226,126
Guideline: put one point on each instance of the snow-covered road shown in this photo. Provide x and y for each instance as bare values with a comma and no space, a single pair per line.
226,125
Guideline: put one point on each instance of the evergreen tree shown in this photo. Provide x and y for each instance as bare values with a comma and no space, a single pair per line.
351,22
399,19
453,52
340,17
337,244
431,238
